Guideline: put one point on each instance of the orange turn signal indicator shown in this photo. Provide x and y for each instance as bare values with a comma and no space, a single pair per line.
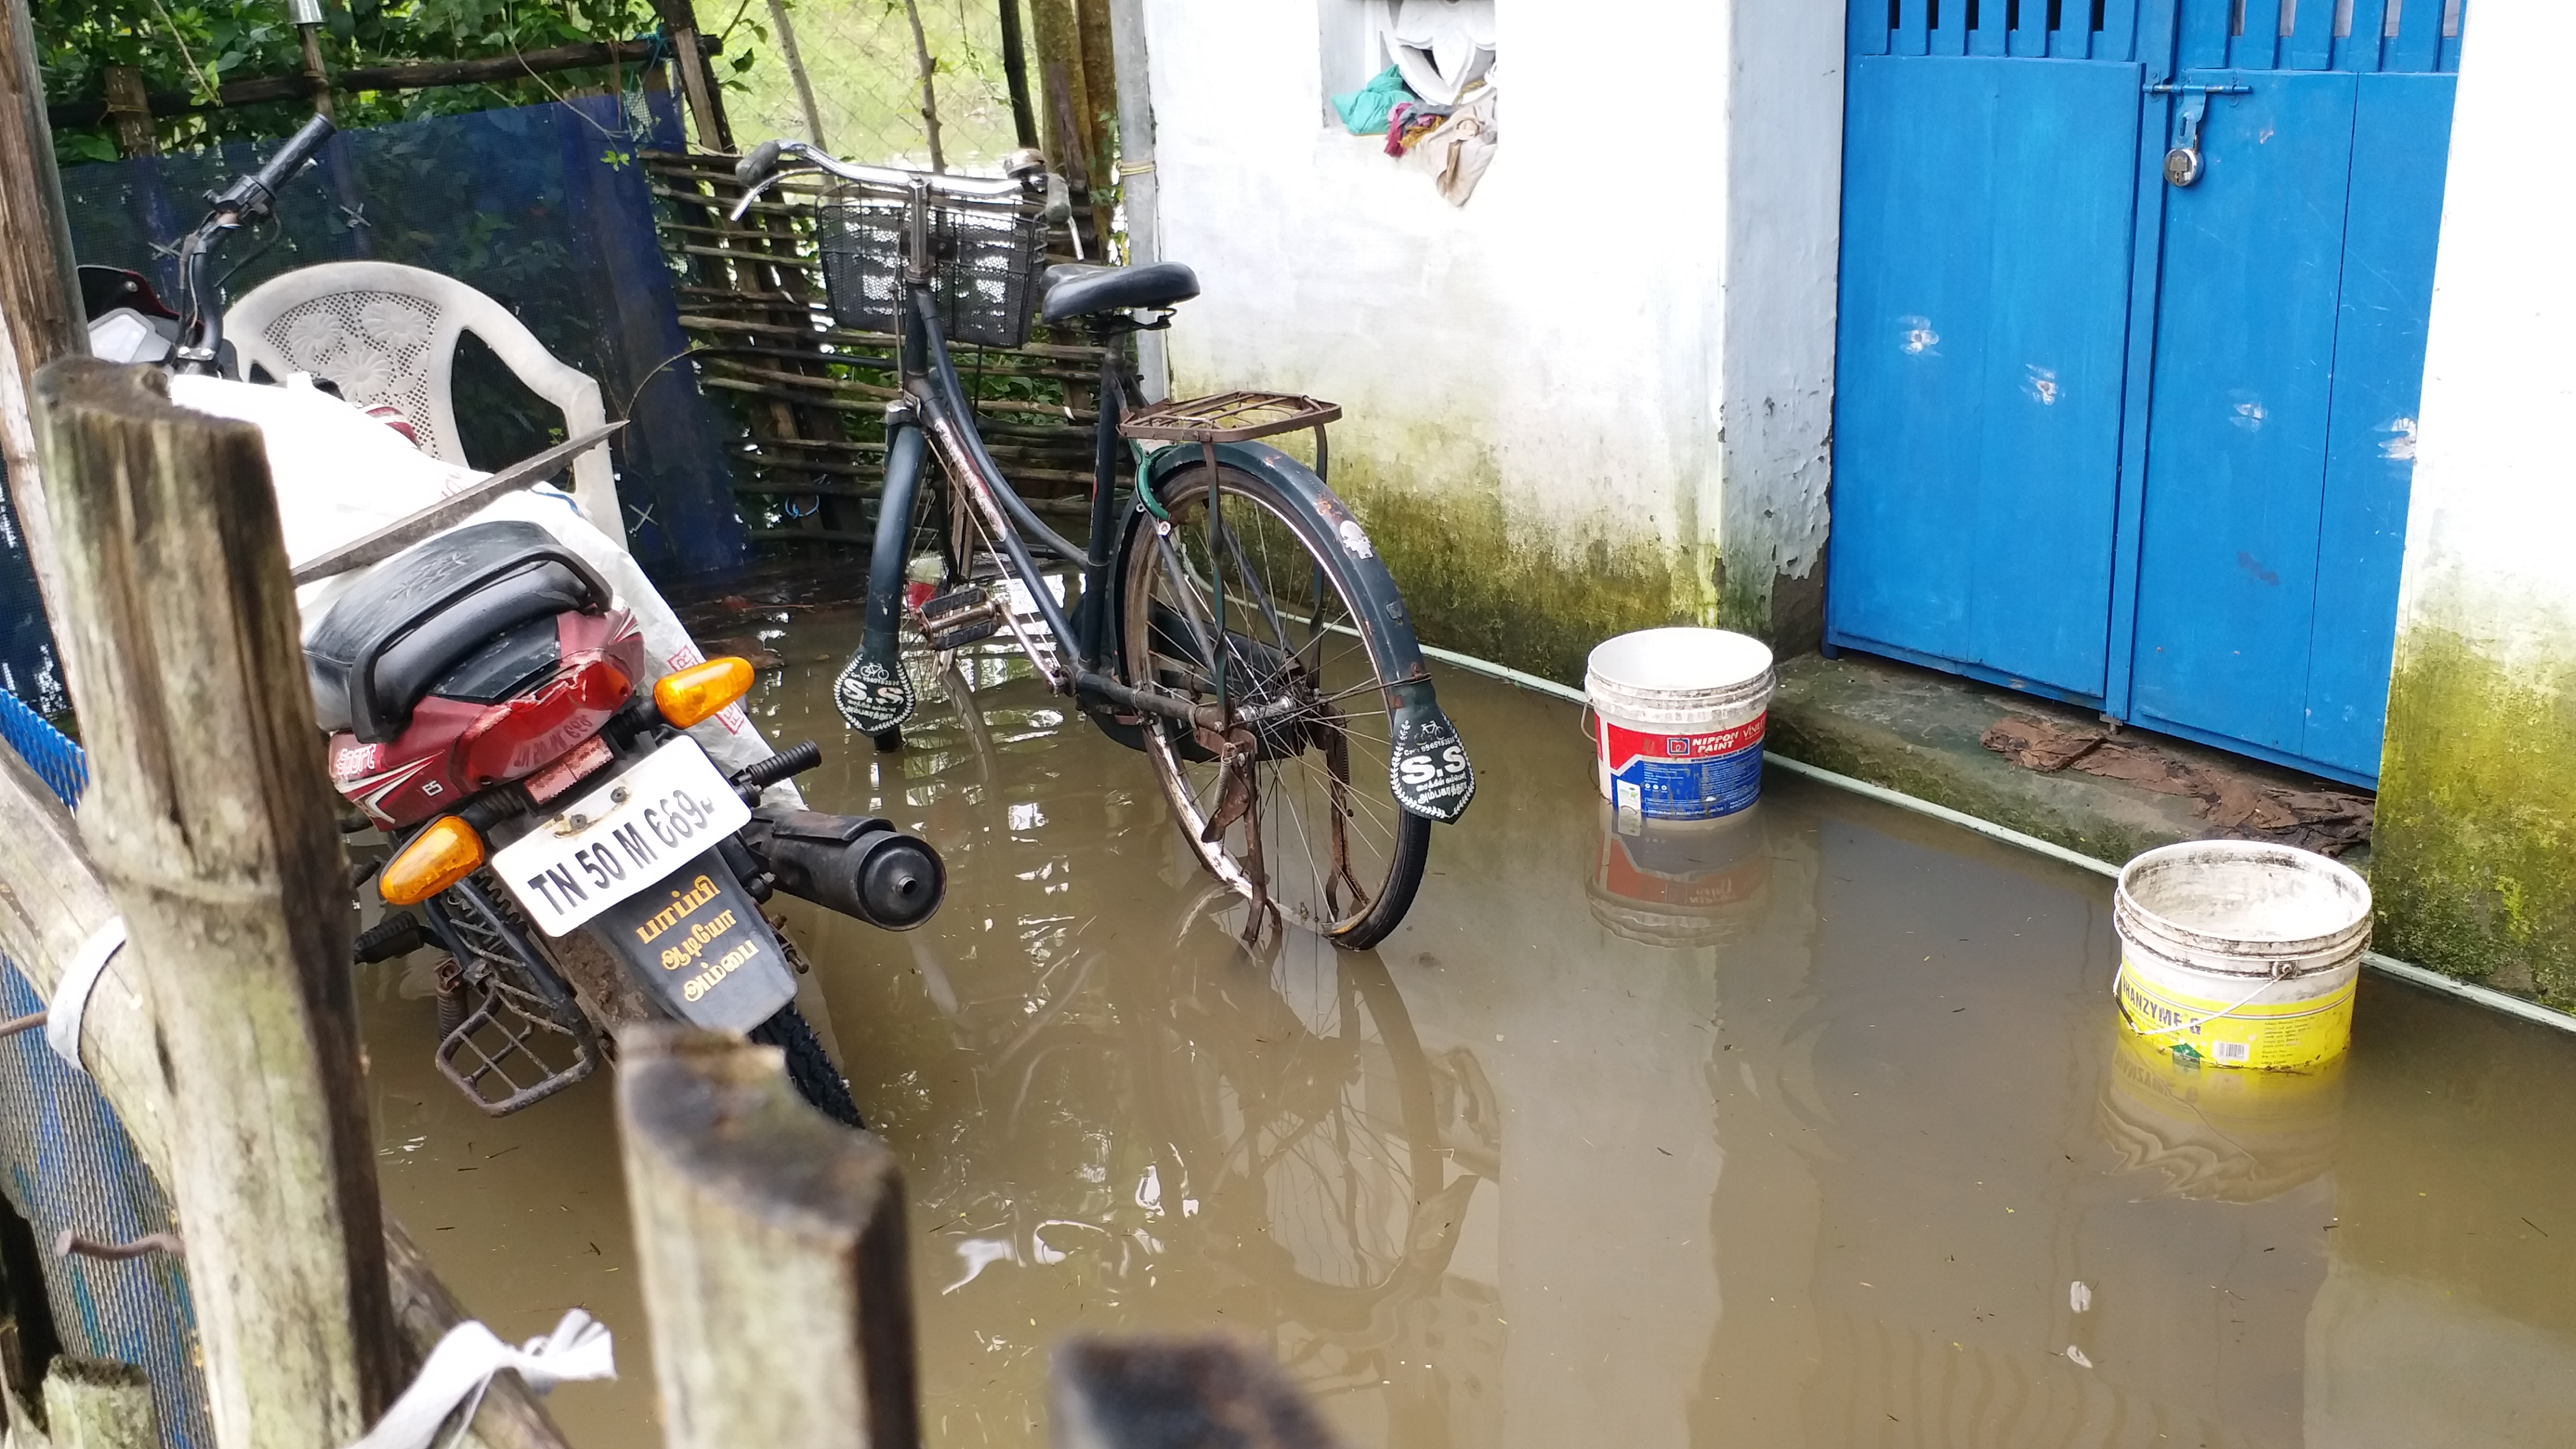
699,692
445,851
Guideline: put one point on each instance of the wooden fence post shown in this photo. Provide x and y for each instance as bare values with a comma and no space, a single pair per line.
40,316
91,1405
210,820
1139,187
52,900
772,1243
129,109
697,81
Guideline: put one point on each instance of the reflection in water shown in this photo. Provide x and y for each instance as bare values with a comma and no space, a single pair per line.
1813,1132
1666,883
2229,1135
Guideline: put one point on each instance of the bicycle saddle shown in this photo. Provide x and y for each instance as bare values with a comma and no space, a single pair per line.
1072,289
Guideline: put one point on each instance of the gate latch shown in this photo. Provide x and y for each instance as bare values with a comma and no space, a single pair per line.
2182,163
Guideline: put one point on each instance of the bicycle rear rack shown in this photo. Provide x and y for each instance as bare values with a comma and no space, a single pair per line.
1228,417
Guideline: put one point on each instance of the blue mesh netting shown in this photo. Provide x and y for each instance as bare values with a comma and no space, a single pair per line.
28,668
545,208
65,1162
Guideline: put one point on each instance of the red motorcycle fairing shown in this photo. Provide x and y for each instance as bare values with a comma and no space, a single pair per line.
455,747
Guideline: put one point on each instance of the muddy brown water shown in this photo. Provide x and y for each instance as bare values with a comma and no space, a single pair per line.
1816,1130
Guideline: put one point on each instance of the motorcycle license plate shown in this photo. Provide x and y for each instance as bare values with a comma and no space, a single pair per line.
621,837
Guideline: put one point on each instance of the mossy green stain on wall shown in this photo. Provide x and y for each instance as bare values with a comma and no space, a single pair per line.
2474,852
1470,587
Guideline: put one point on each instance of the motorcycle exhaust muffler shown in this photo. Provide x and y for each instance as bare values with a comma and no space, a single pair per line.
860,866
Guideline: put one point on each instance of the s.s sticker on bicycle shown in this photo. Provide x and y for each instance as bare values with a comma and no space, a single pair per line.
1428,768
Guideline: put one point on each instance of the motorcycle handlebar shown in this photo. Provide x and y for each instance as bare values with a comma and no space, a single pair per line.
253,193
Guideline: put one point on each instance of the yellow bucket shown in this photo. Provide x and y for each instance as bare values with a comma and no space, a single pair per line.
2240,953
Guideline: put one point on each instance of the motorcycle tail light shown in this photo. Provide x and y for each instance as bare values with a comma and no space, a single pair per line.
701,691
446,851
520,736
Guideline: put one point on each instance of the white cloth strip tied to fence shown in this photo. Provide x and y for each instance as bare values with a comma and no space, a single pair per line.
71,993
461,1367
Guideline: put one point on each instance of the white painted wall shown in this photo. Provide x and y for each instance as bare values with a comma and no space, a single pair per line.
1625,336
2491,535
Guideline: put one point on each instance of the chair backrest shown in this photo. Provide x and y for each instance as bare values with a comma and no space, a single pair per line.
386,334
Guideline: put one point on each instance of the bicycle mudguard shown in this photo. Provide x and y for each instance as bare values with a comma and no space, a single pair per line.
1428,768
872,691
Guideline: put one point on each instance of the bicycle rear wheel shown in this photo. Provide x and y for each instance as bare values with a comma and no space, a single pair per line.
1295,809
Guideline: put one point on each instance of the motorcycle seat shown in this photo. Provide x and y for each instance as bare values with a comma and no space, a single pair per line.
1072,289
415,619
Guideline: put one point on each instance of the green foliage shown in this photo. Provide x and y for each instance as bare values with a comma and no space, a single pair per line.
195,46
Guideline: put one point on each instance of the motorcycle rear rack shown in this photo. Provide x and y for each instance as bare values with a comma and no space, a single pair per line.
520,1017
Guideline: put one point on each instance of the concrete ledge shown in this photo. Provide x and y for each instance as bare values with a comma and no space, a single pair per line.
1919,731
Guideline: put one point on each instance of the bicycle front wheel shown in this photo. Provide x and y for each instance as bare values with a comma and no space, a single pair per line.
1294,806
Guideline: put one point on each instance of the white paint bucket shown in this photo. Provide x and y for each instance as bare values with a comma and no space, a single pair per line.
1682,713
2239,953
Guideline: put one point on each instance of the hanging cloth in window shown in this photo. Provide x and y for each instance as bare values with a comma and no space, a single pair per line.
1458,152
1366,111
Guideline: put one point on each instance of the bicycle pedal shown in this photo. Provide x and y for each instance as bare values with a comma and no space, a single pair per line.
954,620
954,601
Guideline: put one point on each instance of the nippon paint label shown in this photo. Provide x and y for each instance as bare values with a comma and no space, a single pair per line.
1683,777
2226,1030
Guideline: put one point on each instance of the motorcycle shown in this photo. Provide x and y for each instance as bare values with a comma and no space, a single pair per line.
490,706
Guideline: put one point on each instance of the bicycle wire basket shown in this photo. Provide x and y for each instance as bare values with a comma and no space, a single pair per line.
985,257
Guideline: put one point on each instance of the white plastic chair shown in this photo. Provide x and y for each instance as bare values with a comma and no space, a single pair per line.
386,335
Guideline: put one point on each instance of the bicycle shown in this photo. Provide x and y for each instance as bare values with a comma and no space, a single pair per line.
1233,622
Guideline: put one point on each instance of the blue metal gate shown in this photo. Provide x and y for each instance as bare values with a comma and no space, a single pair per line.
2139,445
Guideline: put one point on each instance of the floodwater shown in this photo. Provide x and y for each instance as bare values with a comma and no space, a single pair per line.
1815,1130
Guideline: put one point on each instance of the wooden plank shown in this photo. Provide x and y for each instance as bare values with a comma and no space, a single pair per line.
2417,46
51,900
218,840
772,1244
403,76
402,533
92,1405
40,317
2310,43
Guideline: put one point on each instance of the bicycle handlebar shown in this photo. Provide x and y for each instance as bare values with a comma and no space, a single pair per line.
765,165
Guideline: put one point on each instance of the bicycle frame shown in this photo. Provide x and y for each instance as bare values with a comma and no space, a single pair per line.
935,404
